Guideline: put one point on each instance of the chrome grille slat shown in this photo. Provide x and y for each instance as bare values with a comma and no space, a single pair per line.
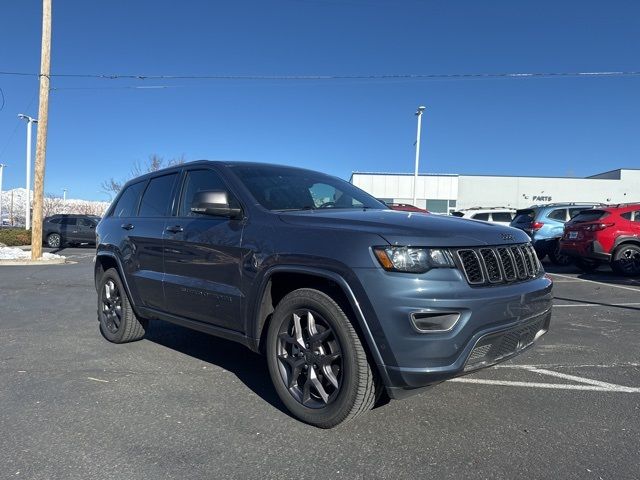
498,264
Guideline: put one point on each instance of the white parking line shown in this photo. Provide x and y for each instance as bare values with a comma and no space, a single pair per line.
597,283
597,305
588,383
558,386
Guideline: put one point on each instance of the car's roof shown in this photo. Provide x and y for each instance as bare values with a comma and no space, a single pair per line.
625,207
213,162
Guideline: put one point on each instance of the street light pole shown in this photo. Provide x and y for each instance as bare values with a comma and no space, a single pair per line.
64,195
30,121
415,174
2,165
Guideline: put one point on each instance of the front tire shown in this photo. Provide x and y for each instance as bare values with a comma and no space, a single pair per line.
118,321
317,362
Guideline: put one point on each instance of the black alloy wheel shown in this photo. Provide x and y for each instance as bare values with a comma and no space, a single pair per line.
118,321
317,362
310,359
626,260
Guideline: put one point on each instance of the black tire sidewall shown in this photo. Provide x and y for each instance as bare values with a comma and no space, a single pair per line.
116,337
343,404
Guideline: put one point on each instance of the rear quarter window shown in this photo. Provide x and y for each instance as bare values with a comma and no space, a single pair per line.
481,216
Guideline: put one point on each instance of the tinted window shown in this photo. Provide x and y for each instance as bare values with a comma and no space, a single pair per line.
128,201
480,216
575,211
85,222
156,200
559,215
589,216
457,214
69,221
636,216
501,216
282,188
524,216
200,181
627,215
54,220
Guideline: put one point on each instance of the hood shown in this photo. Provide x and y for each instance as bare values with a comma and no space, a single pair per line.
408,228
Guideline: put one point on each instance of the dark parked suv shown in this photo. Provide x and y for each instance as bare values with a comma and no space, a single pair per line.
347,298
60,230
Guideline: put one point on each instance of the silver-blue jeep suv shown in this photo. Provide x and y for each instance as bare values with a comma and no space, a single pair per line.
348,299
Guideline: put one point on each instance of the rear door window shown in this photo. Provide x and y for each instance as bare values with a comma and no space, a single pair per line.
156,200
481,216
128,202
69,221
501,216
559,215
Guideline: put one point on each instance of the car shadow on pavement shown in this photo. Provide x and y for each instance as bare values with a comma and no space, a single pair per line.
249,367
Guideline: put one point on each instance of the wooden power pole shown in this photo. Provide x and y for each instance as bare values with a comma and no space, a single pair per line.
41,144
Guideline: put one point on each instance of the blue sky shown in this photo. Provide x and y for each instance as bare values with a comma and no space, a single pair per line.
546,126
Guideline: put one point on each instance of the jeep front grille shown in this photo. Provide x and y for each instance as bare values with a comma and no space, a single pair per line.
495,265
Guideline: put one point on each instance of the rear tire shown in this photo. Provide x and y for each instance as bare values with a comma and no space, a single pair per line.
118,321
317,362
54,240
558,258
587,266
626,260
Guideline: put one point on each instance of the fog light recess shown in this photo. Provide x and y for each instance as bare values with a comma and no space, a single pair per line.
434,322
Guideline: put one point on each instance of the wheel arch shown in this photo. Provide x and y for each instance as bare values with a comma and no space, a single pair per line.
280,280
103,262
623,240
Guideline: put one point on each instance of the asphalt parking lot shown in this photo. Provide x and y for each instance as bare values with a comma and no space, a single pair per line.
183,405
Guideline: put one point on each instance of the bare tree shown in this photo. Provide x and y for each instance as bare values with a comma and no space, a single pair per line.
154,163
52,204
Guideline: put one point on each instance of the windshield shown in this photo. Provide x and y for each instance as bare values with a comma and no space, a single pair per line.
282,188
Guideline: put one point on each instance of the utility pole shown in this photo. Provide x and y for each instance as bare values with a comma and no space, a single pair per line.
27,213
415,175
2,165
41,144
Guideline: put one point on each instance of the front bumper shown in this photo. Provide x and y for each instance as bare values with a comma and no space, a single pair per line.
511,313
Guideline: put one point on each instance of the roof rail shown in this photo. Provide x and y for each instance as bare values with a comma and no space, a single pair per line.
564,204
621,205
487,208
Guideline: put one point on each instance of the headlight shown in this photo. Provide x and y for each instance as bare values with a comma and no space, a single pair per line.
415,260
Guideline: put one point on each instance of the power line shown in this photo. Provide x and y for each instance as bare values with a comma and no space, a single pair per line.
399,76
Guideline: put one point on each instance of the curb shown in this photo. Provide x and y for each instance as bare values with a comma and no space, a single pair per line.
53,261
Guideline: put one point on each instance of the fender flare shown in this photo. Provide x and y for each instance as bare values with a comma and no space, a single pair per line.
255,328
625,239
123,278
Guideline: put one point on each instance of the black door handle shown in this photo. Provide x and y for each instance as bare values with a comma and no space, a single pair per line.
127,226
174,229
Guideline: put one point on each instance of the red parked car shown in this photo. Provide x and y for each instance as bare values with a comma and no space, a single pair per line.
406,207
605,235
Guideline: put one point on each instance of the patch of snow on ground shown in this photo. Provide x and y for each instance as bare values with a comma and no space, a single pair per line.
10,253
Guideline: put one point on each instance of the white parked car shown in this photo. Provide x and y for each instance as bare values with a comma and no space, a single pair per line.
499,215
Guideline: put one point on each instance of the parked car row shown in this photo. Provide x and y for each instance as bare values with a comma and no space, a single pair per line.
608,234
61,230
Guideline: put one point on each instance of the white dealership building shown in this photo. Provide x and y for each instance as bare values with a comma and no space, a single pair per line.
448,192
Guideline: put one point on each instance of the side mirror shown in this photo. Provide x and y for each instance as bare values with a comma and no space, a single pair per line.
214,202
